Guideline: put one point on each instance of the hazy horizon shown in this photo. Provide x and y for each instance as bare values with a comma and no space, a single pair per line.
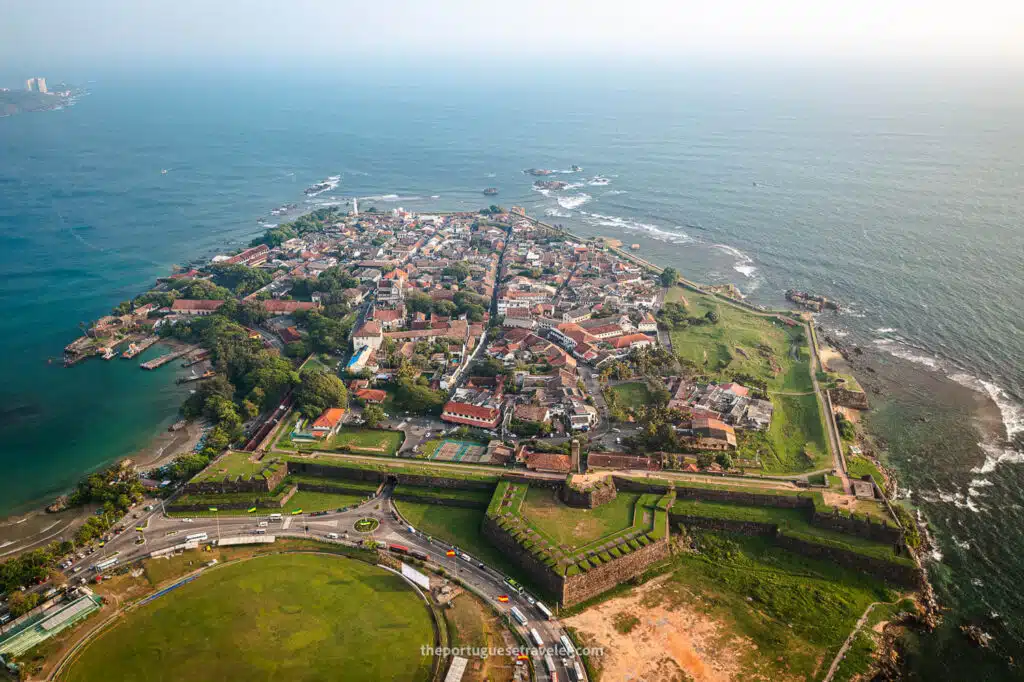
353,35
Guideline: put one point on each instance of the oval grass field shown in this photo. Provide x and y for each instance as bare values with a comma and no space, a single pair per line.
284,617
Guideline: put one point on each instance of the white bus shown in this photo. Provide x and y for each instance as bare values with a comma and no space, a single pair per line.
274,517
518,615
535,636
196,537
106,563
569,648
545,610
549,663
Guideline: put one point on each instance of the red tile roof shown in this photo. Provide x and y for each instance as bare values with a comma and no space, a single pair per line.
548,461
184,304
464,413
372,395
277,307
330,418
628,340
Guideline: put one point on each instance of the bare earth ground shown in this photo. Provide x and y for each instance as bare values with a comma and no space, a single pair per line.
674,639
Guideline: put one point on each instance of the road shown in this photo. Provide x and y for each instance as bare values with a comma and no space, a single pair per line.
488,583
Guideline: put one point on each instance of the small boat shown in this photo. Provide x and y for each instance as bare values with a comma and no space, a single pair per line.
163,171
108,353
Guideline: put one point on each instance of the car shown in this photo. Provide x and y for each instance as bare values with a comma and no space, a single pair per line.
531,600
187,521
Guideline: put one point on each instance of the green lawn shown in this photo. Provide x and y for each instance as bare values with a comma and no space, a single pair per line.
857,466
742,343
797,610
794,442
282,617
633,394
235,463
367,441
309,501
576,527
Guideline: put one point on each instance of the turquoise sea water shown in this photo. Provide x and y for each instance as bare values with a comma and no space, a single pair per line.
897,195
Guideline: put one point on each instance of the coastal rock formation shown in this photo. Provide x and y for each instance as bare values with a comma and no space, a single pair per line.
813,302
538,171
550,184
490,191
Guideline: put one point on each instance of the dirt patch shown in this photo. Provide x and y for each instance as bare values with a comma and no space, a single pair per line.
834,499
666,636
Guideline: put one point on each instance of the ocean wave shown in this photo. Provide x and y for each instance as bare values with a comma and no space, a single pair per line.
838,333
996,455
555,213
391,198
1012,413
573,201
653,231
957,499
903,351
884,330
744,263
613,192
598,181
541,190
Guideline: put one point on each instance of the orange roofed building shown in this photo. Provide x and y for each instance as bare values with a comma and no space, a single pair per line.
328,422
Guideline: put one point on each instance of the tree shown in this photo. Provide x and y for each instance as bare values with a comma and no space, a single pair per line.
669,277
458,271
373,415
711,316
418,398
319,390
704,460
724,460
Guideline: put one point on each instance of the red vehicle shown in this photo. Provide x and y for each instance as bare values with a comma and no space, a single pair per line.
401,549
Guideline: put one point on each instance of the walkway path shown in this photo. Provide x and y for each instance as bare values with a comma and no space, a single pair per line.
849,640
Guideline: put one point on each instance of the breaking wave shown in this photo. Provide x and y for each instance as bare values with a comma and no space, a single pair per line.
744,263
573,201
653,231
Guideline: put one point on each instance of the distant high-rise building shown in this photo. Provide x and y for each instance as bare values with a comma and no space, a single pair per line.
36,85
355,206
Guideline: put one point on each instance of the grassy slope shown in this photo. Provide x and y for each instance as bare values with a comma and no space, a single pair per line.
798,611
577,527
460,527
294,617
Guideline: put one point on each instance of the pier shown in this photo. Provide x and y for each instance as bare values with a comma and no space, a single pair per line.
164,359
136,348
196,359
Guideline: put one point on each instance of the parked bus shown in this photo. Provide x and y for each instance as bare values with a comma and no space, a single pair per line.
545,610
196,537
535,636
400,549
274,517
569,648
107,563
514,585
518,615
422,556
549,663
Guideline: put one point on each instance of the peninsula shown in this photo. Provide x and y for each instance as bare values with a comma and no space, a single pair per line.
510,415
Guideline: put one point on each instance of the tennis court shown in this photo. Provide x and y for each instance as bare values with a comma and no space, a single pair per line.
459,451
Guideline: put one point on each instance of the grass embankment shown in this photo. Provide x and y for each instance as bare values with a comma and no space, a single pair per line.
235,463
471,623
342,462
861,654
858,467
460,527
633,394
289,616
354,439
794,442
798,611
792,522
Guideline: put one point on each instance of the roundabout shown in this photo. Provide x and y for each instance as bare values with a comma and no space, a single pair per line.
366,525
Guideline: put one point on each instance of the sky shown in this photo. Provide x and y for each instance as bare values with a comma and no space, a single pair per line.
55,32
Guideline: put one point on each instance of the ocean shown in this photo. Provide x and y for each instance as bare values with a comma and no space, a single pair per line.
896,193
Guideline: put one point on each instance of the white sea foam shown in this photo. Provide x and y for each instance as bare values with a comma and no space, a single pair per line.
884,330
573,201
1012,412
744,263
332,183
599,181
613,192
936,556
905,352
653,231
838,333
546,192
961,544
555,213
390,198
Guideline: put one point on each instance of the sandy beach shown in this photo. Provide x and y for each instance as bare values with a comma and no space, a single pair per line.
38,527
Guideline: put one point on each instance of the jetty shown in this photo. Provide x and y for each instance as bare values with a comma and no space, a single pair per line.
196,359
164,359
197,377
136,348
